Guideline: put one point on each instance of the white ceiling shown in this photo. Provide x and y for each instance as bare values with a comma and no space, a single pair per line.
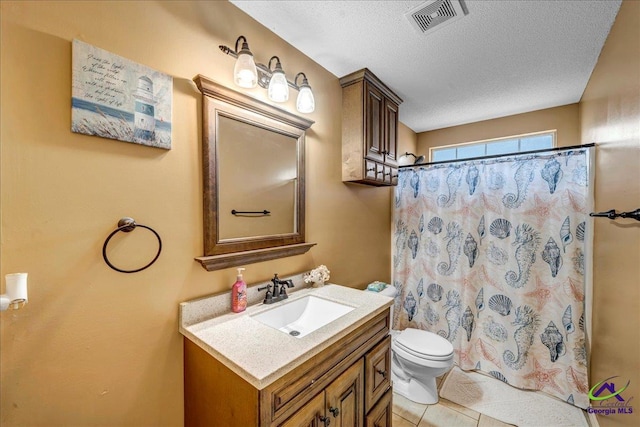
505,57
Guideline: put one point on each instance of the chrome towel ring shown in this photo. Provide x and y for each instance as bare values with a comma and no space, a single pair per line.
127,225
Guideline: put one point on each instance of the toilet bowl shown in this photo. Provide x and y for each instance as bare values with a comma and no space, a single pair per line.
418,357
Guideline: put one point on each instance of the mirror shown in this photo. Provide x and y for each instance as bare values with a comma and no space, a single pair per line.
258,173
253,179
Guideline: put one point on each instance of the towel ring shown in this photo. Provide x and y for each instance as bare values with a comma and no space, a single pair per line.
127,225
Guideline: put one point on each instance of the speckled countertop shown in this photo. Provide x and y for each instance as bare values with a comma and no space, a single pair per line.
261,354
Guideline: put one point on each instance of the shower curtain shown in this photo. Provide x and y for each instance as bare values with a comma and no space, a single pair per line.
490,254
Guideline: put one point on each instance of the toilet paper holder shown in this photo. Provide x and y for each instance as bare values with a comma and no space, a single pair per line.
16,292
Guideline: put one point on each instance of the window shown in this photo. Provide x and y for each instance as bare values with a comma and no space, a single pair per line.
492,147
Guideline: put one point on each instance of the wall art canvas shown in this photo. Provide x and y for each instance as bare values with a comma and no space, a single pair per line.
116,98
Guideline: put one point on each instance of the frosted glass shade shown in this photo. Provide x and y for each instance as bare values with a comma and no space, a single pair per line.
278,87
244,72
305,102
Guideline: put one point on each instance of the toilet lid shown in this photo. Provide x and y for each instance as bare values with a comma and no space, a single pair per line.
424,344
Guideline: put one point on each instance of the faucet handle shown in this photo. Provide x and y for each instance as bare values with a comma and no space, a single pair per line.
268,296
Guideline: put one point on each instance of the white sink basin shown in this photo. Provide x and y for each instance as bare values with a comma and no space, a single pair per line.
303,316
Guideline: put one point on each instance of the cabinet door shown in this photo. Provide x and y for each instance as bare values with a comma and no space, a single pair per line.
381,415
377,371
391,132
345,397
310,415
374,123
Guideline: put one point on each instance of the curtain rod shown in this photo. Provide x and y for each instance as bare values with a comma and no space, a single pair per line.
493,156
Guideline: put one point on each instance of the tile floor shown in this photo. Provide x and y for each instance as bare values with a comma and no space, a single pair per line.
443,414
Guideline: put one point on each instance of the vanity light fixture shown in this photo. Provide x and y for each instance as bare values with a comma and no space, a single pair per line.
278,85
245,73
305,102
274,80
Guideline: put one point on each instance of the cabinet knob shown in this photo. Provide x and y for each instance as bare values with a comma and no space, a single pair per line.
334,411
325,420
381,372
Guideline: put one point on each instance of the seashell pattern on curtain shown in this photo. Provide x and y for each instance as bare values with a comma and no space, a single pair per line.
499,268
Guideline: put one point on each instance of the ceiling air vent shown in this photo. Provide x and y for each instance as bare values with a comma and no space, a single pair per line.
434,14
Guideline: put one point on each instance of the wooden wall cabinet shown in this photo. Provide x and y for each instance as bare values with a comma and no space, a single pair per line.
346,385
369,130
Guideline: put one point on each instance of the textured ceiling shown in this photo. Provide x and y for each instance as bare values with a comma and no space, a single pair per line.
503,58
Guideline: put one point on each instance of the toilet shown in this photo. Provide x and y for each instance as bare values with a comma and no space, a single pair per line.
418,357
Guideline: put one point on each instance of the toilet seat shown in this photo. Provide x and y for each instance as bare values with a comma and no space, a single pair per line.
424,345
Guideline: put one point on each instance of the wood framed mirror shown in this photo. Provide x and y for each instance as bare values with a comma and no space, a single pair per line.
253,179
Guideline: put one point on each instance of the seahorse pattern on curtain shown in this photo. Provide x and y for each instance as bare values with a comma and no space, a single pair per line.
489,254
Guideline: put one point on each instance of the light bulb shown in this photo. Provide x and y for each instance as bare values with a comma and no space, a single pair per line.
244,72
305,102
278,87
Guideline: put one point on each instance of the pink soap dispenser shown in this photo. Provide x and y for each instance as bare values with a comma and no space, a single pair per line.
239,294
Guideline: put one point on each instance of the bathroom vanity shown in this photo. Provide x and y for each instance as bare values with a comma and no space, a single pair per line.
239,371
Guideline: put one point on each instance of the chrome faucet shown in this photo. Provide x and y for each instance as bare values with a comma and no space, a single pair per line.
279,290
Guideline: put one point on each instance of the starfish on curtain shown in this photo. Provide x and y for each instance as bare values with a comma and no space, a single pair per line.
467,281
543,210
541,293
469,208
544,377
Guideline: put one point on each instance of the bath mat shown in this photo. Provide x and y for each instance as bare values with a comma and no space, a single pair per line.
492,397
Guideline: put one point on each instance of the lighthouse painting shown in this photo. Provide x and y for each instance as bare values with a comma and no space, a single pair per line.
113,97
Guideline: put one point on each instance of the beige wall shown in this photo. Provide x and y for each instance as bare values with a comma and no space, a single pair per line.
97,347
610,116
407,142
562,119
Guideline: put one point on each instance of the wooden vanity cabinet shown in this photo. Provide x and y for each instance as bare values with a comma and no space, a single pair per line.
382,413
369,130
340,386
341,403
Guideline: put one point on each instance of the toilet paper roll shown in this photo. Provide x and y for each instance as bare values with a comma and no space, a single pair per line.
17,287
